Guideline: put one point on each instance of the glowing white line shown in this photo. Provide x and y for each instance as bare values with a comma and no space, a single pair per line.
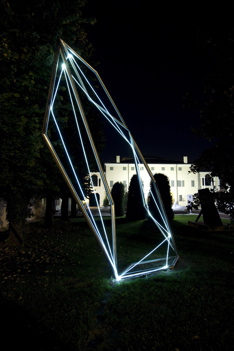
106,113
88,168
138,274
82,83
137,263
78,183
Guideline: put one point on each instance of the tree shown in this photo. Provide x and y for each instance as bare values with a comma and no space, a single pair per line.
135,208
117,193
217,111
165,194
29,37
217,108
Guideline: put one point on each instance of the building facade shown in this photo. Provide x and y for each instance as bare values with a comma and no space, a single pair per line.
183,183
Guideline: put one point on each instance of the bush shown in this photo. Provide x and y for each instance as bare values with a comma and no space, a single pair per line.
105,202
135,208
94,199
117,193
163,185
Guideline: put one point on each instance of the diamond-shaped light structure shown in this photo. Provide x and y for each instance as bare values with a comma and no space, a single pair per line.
75,84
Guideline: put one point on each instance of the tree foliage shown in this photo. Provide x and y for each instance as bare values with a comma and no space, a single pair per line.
29,36
135,208
163,185
117,193
217,109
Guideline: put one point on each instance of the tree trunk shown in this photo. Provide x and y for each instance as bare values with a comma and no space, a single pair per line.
73,208
64,208
49,211
17,211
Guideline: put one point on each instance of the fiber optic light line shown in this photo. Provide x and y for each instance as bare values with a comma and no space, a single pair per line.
137,263
163,215
83,148
137,161
55,91
166,234
68,157
168,247
81,112
154,182
78,106
87,81
76,68
78,80
115,123
107,93
72,167
163,230
73,64
155,260
140,273
51,92
98,77
53,152
161,209
69,50
103,112
139,181
84,120
101,109
158,261
86,157
97,96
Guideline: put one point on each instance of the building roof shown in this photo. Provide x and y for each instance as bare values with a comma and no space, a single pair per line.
151,159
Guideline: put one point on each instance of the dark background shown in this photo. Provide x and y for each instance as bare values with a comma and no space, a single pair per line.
150,58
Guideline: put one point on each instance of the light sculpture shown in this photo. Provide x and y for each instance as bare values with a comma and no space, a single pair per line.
69,80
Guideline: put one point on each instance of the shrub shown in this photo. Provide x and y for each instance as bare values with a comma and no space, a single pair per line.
163,185
105,202
135,208
117,193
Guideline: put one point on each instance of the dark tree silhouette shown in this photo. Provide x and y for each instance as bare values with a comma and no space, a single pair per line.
117,193
135,208
165,194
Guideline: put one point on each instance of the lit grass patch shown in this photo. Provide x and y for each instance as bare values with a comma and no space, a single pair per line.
57,290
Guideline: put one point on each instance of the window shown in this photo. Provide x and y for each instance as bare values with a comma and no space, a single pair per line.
111,183
111,168
163,168
192,183
180,198
94,180
172,183
132,168
141,168
152,168
180,183
124,168
179,168
207,180
172,168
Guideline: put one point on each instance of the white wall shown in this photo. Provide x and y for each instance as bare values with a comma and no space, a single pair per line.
182,182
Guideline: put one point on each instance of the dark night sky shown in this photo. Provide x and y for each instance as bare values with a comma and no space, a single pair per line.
149,58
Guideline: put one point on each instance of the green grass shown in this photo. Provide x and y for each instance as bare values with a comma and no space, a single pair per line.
56,292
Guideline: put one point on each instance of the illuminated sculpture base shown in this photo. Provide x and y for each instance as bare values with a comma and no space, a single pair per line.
75,154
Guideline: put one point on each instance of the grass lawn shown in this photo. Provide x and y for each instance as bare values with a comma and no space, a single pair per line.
56,293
